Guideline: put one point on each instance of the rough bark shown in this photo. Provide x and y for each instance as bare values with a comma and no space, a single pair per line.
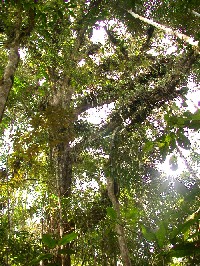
62,167
13,45
119,227
8,77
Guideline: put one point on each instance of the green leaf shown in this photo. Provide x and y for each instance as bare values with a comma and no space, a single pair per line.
194,124
183,228
60,14
111,213
185,249
67,238
195,116
172,120
148,234
41,257
148,146
49,241
66,251
161,234
132,213
183,141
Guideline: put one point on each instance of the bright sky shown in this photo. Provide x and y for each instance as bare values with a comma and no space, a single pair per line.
99,35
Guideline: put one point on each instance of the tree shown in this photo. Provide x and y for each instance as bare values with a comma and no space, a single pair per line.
15,29
63,75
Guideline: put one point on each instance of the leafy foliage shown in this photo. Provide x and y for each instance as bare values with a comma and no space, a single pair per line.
57,164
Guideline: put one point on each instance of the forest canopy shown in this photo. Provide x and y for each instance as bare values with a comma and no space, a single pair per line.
99,132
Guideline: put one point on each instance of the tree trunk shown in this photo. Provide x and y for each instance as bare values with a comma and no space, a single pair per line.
62,164
119,227
62,158
64,191
20,34
60,122
7,81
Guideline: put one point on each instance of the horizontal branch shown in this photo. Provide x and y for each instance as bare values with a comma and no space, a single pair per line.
94,100
140,106
106,94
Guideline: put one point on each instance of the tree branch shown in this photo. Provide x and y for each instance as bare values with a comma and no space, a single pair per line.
141,105
176,33
195,13
108,93
143,102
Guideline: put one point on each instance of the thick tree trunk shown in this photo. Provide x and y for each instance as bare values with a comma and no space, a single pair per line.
64,169
119,227
61,156
60,131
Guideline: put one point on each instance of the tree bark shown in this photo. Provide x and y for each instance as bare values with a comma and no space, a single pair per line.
195,13
7,81
176,33
62,167
60,121
119,227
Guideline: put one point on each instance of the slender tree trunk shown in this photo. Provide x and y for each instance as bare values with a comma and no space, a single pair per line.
7,81
64,162
119,227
